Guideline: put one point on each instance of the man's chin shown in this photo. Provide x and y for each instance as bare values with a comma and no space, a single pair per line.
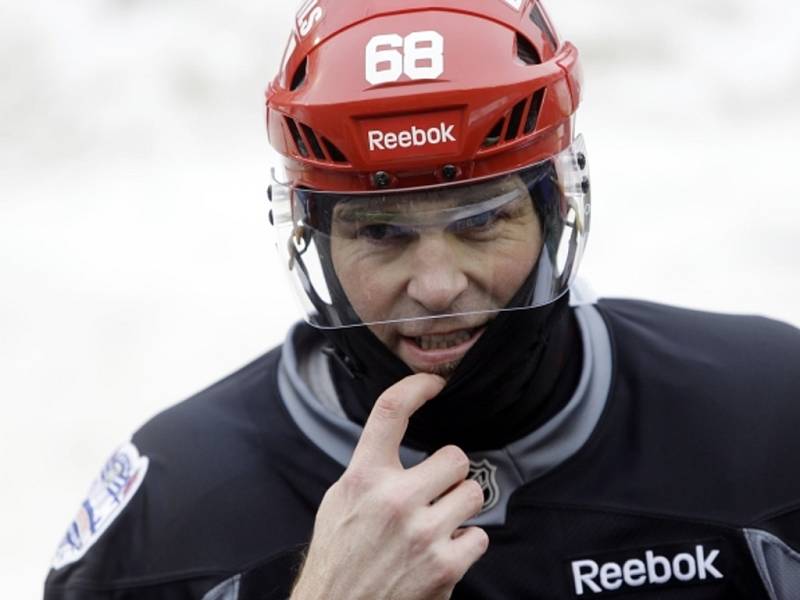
444,370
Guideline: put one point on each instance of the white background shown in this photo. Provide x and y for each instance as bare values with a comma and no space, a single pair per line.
136,264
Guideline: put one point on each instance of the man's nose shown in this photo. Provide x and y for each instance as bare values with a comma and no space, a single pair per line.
436,279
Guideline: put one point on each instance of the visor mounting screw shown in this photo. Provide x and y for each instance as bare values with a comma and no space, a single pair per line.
381,179
585,185
269,193
449,172
581,160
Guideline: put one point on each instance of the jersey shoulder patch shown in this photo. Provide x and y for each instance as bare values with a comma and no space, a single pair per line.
115,486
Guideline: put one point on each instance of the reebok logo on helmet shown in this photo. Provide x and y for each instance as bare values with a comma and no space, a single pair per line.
408,138
651,569
413,136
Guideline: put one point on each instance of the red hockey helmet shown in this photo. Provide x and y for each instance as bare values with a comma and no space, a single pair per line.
392,110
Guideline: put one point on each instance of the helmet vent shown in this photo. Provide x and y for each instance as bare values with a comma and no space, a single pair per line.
308,142
533,111
526,52
516,120
538,19
298,139
511,126
334,152
299,75
494,134
313,142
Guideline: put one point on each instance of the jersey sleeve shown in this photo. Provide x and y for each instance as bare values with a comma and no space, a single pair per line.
104,540
214,495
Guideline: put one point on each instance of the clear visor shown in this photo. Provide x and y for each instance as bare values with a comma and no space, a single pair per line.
461,250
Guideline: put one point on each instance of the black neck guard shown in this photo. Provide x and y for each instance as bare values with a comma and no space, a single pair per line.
520,372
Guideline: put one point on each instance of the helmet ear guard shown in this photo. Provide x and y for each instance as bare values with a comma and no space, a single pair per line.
301,241
577,207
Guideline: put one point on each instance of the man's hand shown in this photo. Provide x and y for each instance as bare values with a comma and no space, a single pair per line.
384,532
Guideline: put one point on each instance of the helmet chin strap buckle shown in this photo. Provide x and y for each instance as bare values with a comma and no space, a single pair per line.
345,361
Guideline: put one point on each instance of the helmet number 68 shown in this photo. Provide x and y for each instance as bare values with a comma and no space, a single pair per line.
421,57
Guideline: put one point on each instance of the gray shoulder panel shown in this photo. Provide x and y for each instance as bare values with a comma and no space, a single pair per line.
777,564
330,430
334,434
227,590
563,435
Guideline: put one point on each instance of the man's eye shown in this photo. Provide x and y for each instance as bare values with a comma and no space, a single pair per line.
384,232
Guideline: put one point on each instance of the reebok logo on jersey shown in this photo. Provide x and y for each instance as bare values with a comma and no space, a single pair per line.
652,569
409,138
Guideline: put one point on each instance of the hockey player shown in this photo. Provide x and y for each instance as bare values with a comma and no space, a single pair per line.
458,419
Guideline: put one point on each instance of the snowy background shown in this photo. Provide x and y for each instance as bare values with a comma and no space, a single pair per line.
136,264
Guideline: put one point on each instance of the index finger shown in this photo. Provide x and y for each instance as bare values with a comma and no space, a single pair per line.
387,423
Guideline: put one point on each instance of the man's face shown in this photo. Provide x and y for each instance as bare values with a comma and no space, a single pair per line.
457,255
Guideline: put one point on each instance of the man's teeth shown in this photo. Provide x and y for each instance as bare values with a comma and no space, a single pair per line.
440,342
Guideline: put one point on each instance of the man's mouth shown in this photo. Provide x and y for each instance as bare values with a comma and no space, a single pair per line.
438,352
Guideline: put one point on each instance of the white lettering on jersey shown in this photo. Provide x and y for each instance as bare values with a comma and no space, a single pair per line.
389,140
591,577
110,493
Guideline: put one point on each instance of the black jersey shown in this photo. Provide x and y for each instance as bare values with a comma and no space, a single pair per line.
671,473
